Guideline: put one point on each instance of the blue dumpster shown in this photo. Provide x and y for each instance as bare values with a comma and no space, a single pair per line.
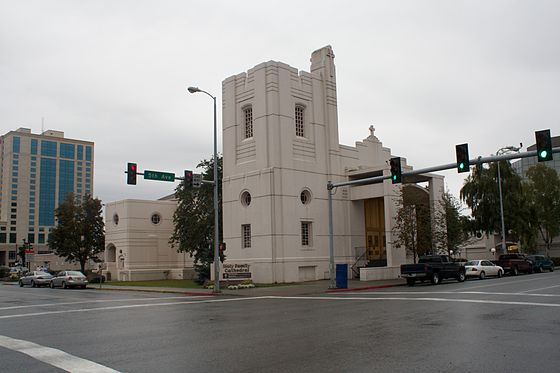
342,276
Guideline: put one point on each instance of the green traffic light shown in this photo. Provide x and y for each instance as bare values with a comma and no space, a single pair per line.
461,165
394,177
543,154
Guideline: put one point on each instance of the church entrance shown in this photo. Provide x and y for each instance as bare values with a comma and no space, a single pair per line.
374,211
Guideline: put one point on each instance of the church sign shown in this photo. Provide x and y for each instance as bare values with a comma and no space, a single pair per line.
236,271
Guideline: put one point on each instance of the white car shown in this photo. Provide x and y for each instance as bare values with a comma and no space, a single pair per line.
482,268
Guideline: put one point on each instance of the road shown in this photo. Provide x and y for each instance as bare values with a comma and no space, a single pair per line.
495,325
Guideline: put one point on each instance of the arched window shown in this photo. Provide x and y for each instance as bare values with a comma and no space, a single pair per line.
248,112
299,116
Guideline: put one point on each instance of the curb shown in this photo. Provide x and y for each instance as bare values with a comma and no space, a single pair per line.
363,288
194,293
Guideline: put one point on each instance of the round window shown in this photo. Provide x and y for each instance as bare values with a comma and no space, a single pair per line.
116,219
156,218
305,197
245,198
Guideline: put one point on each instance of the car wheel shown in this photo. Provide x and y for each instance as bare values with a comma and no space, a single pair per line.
515,271
20,283
500,273
552,268
410,281
33,285
482,275
64,286
435,278
530,270
51,284
461,276
539,269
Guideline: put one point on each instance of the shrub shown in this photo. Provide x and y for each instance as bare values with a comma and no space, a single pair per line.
556,261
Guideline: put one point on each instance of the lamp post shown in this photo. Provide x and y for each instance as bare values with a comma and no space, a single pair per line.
216,212
505,149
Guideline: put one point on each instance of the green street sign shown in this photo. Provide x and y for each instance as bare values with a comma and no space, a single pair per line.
158,175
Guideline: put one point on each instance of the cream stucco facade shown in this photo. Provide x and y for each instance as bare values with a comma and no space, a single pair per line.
280,148
137,242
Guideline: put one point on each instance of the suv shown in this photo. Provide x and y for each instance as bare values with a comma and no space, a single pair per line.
541,262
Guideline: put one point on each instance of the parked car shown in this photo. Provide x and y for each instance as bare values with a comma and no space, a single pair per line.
541,262
17,272
69,279
514,263
482,268
35,278
434,268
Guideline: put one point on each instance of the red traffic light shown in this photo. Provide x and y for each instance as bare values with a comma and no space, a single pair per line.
131,173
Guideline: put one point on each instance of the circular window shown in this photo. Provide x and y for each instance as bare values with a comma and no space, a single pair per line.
116,219
156,218
305,197
245,198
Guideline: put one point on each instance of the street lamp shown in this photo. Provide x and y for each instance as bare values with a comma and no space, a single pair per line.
504,150
216,212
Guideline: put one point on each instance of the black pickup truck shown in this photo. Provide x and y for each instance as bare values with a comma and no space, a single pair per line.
434,268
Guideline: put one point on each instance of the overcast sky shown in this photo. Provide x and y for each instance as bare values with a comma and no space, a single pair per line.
427,74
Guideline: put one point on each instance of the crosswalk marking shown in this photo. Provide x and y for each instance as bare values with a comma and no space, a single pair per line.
53,356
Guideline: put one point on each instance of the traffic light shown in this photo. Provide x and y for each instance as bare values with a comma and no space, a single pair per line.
131,174
396,172
544,145
462,153
222,249
188,179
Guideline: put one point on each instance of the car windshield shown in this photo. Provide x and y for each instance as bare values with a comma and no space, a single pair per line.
74,273
472,263
42,274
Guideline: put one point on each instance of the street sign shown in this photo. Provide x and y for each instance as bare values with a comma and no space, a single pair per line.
197,180
158,175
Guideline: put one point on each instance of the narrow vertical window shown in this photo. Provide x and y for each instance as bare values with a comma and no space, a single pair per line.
300,130
248,122
246,235
306,233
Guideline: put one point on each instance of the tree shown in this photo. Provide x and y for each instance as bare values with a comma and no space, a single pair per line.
79,233
542,192
194,220
412,229
481,194
450,226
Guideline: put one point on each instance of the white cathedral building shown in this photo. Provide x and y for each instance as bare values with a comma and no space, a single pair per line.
280,149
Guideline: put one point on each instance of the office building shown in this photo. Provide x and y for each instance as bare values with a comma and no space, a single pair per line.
36,173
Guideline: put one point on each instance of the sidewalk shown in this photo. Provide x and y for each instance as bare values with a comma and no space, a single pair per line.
300,289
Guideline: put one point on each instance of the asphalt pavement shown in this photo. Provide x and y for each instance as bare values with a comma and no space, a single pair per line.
492,325
297,289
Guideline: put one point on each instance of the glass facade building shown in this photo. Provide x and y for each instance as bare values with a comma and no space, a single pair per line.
37,171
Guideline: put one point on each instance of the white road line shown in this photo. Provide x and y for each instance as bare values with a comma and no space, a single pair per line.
548,287
52,356
429,300
92,301
96,309
124,307
453,292
504,283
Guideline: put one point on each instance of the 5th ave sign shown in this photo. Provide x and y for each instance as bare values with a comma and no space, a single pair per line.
158,175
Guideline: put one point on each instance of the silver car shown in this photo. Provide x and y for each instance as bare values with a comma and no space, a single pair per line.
35,278
69,279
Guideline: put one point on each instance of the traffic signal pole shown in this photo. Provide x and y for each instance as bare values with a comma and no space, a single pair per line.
378,179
